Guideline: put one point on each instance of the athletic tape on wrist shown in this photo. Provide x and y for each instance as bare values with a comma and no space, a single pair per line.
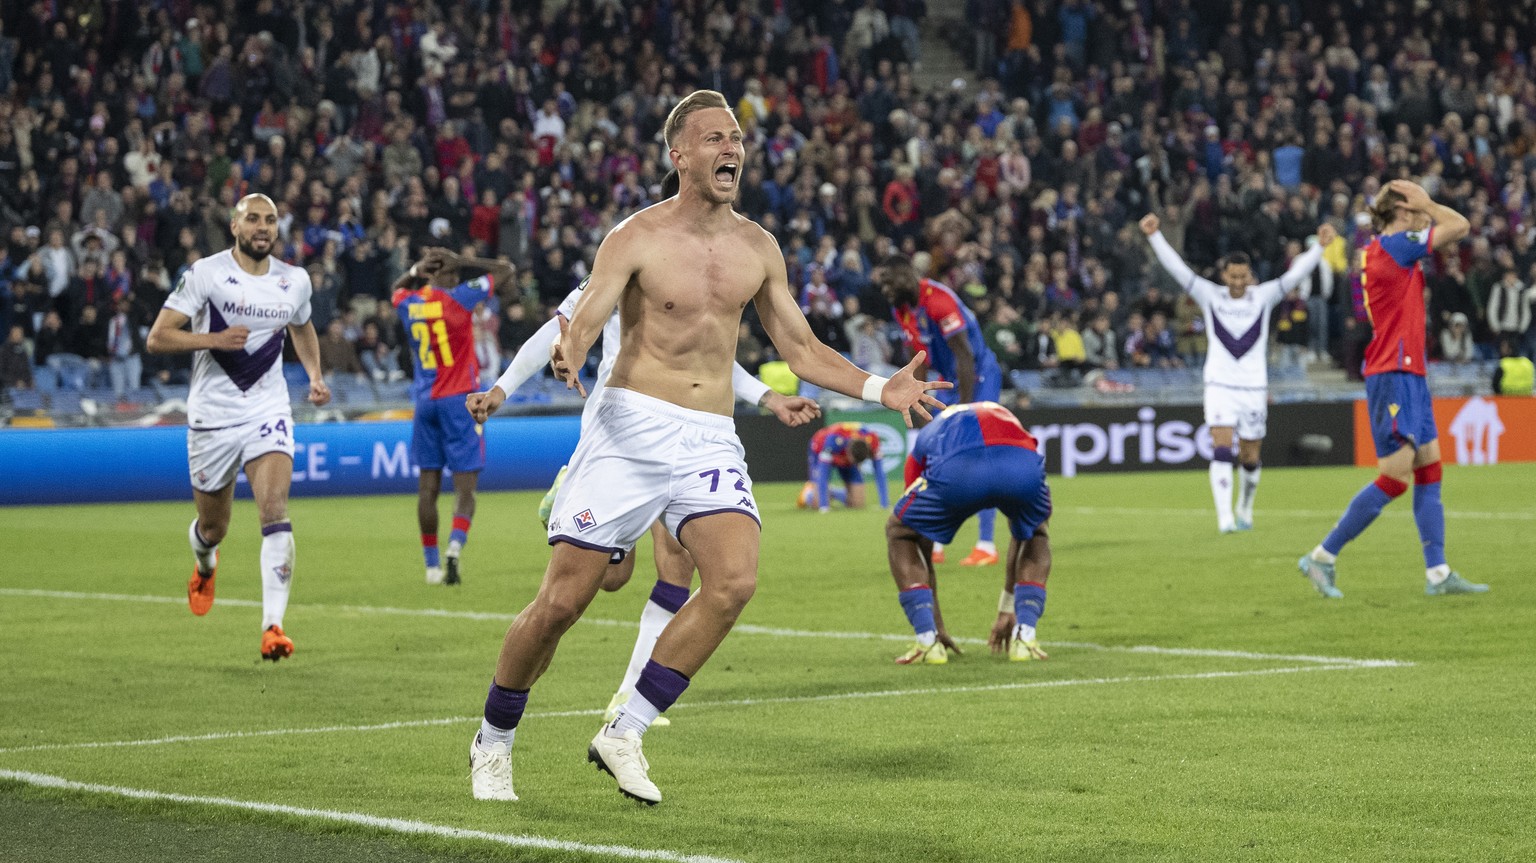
1005,602
873,386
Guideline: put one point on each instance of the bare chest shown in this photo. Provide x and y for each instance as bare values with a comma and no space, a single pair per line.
715,275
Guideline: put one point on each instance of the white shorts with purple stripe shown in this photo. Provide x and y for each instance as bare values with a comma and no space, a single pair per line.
215,456
641,458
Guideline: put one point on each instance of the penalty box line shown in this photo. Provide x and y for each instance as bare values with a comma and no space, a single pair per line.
692,705
743,628
376,822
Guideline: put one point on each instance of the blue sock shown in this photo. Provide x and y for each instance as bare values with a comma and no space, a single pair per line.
1429,514
917,602
1028,602
460,532
839,494
429,549
984,524
1363,510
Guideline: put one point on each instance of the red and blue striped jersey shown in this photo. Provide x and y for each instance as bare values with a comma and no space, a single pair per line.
831,443
440,326
966,427
1392,282
928,326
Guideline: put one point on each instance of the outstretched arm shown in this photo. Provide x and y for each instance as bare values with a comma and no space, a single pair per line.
1166,256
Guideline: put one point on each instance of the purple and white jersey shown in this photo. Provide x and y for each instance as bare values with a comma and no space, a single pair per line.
1237,329
234,387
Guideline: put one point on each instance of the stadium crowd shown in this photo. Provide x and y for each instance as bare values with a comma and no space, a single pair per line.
527,130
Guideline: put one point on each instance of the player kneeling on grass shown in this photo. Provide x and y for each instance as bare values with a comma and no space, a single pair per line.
971,457
843,447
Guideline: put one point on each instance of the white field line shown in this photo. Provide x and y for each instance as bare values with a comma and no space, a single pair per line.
1296,513
744,628
733,702
393,825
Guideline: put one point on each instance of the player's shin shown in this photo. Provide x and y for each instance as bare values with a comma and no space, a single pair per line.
277,555
663,605
503,711
1367,504
1221,487
1028,606
1248,489
205,551
459,535
917,602
658,688
986,526
1429,515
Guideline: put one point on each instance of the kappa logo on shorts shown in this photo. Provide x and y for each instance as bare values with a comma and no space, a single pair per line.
202,476
585,521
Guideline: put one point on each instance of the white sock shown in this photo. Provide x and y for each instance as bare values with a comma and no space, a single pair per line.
938,548
1323,555
454,549
276,572
1437,574
1221,491
1248,488
207,555
987,546
1024,633
491,734
652,621
636,715
926,639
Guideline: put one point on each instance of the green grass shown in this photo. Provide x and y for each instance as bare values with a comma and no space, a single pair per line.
1114,755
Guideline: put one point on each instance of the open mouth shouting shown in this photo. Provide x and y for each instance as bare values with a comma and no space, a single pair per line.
726,174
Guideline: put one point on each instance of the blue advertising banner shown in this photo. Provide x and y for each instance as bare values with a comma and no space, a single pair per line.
101,465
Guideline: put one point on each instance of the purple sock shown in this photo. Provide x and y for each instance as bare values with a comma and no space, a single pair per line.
660,685
1223,453
669,596
504,707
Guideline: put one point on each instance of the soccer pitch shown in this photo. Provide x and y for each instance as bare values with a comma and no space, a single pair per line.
1201,702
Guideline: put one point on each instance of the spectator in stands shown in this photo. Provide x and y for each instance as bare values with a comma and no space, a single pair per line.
124,354
1509,307
1456,341
1290,328
1159,344
15,360
337,354
1100,344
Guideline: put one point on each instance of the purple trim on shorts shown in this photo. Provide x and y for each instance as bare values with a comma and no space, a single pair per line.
660,685
669,596
693,515
615,553
276,527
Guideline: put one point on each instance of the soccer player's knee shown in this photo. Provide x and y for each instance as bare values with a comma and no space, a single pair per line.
898,532
732,592
555,612
212,530
616,576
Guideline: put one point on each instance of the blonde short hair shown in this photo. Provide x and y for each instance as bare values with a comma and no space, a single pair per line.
695,101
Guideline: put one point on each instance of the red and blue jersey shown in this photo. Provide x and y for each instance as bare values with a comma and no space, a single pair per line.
1392,283
439,324
831,444
937,316
963,428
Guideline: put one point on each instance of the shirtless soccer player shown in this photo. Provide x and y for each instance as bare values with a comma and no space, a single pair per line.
240,303
1236,372
661,443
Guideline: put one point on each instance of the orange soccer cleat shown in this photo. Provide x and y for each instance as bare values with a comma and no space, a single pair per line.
807,498
200,589
938,555
274,644
980,557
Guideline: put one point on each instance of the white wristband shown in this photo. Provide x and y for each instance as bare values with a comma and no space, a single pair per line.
873,386
1005,602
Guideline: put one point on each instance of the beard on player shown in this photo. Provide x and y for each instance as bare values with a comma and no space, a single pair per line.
249,247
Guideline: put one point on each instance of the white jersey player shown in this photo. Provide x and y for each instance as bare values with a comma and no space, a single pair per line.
240,305
674,567
1236,364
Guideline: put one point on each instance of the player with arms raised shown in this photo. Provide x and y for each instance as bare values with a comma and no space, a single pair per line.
972,456
661,443
935,321
1236,370
239,304
1409,227
438,320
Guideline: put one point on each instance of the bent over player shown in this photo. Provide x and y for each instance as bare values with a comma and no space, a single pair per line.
843,447
240,303
972,457
661,443
1397,398
1236,371
438,321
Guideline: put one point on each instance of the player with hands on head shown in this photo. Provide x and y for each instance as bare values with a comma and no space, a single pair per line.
436,310
973,456
1410,226
660,442
1237,317
232,311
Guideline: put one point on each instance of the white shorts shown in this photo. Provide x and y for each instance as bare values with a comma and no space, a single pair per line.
1245,410
641,458
214,457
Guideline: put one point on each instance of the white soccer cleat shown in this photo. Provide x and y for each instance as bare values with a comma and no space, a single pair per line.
434,575
621,758
490,771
